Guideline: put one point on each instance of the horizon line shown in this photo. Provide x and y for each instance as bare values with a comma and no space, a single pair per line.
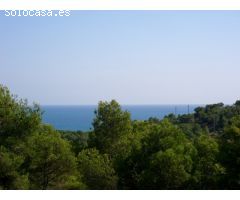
163,104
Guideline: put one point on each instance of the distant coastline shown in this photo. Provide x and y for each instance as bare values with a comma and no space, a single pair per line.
79,117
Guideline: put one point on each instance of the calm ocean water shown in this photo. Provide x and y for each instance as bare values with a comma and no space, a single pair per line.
80,117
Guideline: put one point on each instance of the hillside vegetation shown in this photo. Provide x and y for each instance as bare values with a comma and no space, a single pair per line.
194,151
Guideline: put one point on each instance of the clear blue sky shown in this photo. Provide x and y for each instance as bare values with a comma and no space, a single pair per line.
135,57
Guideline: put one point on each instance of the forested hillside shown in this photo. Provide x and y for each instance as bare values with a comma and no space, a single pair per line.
193,151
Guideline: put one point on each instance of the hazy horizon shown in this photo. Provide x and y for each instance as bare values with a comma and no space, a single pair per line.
124,104
134,57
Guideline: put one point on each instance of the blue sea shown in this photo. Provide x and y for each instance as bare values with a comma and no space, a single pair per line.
75,118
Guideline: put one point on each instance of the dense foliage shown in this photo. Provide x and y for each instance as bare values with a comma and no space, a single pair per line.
192,151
